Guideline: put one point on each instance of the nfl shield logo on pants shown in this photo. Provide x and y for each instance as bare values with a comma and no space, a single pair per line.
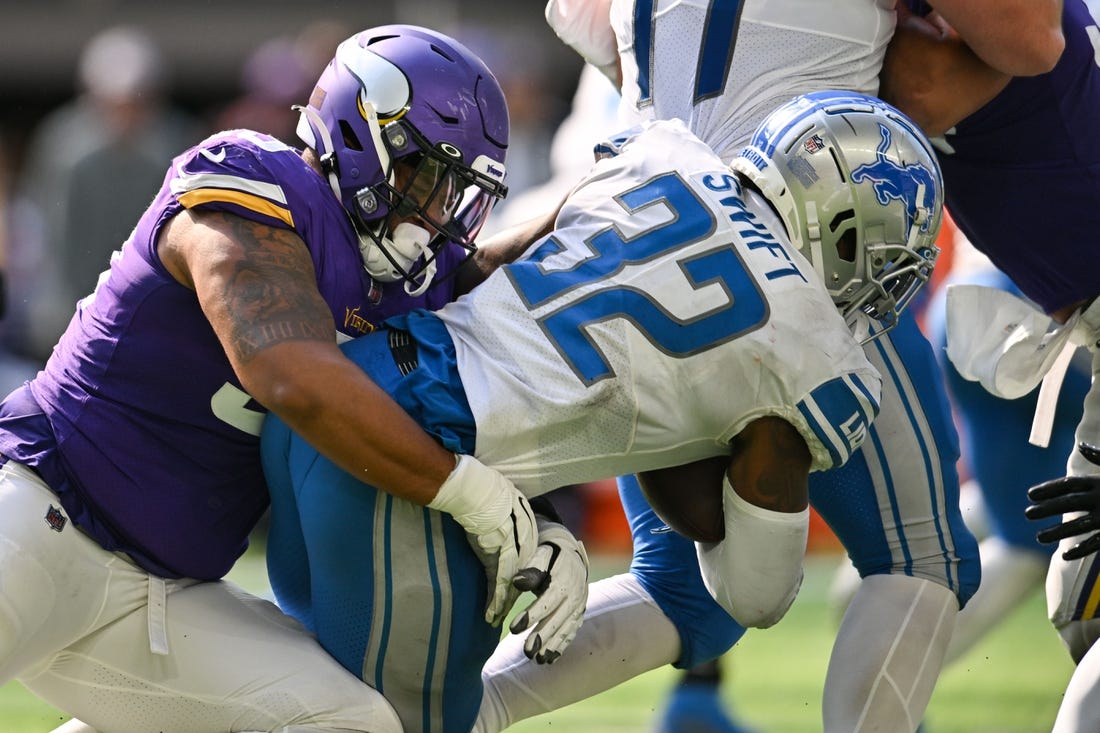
55,519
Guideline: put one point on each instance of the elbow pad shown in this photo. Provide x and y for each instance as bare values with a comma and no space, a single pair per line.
756,571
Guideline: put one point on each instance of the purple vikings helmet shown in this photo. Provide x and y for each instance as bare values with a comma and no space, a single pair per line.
860,192
411,129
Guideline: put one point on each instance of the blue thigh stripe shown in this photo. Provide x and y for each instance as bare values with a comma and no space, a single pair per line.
895,504
437,612
920,431
895,511
387,617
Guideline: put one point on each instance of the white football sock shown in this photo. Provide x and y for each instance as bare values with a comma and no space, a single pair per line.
1080,709
623,635
888,655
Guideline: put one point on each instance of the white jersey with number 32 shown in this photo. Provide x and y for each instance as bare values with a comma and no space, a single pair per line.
664,313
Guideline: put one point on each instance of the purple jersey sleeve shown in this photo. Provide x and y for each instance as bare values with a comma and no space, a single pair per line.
138,421
1023,182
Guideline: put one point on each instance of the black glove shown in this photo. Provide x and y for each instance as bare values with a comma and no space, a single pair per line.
1065,495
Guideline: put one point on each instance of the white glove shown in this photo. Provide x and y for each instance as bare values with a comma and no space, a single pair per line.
500,523
558,575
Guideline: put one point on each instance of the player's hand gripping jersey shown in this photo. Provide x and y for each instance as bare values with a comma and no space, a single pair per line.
153,428
666,311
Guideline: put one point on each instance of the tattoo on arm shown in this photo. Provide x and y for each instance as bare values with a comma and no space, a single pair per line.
269,290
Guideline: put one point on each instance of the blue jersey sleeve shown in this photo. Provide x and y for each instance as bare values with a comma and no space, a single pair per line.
839,412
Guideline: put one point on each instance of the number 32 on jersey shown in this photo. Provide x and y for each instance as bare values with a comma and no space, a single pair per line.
575,298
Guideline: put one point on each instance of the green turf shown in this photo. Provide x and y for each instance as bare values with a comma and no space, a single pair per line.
1010,683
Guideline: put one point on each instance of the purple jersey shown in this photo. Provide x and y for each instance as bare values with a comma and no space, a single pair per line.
1023,182
137,421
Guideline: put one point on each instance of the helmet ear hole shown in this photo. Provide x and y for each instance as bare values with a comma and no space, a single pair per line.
351,140
846,243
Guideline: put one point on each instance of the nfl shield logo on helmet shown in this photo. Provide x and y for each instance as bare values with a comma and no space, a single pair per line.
813,144
56,519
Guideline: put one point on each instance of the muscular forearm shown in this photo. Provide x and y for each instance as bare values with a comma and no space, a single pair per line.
501,248
937,81
1016,37
755,571
330,402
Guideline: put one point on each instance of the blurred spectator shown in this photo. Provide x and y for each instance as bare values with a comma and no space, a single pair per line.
92,166
279,74
14,369
592,117
538,96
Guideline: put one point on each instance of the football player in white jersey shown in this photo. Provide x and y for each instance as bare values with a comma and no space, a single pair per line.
667,325
719,66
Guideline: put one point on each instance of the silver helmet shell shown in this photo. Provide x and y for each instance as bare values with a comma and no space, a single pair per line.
860,192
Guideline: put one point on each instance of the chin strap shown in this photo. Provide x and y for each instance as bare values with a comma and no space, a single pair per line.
376,137
309,126
427,276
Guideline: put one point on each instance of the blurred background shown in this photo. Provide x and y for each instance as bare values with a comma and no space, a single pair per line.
206,45
99,95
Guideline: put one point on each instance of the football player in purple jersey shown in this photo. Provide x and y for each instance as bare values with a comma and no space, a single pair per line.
998,139
131,473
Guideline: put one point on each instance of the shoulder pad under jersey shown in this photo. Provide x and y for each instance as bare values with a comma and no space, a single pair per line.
241,172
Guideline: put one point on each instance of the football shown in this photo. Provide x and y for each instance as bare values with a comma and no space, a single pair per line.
688,498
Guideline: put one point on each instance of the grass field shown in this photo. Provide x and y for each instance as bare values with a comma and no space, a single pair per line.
1010,683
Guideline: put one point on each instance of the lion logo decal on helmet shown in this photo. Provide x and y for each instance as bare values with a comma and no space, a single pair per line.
913,184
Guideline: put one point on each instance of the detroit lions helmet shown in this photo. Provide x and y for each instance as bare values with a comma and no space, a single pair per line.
860,191
411,129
